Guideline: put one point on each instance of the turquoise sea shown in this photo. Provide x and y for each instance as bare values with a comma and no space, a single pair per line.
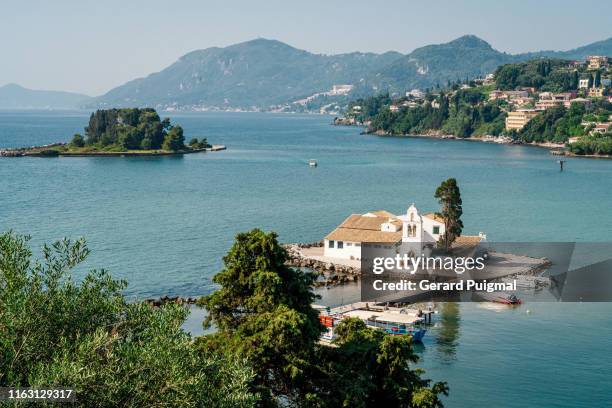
164,224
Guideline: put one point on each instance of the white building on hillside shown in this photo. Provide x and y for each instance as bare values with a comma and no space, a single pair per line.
341,89
416,94
407,233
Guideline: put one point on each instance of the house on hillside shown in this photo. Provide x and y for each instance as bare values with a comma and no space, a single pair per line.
597,61
602,127
518,119
583,83
596,92
416,94
549,99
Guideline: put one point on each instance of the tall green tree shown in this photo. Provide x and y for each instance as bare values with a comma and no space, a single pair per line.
575,80
449,197
174,139
597,82
263,312
77,140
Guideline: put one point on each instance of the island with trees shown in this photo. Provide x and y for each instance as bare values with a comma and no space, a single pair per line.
124,132
569,105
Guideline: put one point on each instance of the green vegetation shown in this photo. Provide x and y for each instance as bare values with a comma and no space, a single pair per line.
365,108
194,143
56,331
134,131
558,124
131,129
462,114
77,141
546,75
555,124
449,197
174,139
263,312
597,144
465,109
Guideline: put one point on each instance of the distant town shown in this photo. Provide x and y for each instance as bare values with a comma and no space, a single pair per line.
558,103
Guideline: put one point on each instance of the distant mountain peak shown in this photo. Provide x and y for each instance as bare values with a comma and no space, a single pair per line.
263,44
471,41
264,41
11,85
15,96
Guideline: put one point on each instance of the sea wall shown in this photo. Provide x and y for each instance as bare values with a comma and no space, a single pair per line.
329,273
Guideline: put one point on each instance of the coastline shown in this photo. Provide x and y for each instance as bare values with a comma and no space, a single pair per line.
554,148
49,151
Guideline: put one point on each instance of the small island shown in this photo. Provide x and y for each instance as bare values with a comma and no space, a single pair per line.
123,132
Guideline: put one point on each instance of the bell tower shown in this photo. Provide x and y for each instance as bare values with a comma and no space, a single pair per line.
412,227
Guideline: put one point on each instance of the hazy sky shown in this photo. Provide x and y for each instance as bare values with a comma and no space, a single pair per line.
92,46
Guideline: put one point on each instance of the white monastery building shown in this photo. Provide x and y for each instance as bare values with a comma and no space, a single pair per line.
410,233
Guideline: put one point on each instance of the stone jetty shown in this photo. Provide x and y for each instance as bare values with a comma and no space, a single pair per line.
330,273
156,302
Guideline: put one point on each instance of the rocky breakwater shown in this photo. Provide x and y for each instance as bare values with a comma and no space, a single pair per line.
349,121
328,273
171,299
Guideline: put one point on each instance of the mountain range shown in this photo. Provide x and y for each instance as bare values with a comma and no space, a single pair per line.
264,74
253,74
13,96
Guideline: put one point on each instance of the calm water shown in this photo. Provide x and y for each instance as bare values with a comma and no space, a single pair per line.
164,223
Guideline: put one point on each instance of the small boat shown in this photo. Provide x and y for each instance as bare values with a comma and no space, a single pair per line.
417,333
312,163
528,282
500,297
391,323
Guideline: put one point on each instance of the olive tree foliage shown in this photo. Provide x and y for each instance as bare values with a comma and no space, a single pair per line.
55,331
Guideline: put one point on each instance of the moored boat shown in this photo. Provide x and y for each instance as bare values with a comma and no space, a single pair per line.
499,297
392,322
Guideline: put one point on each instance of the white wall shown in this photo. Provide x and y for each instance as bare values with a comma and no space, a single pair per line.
428,235
350,249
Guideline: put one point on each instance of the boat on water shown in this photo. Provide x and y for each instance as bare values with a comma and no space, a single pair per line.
499,297
528,282
396,322
312,163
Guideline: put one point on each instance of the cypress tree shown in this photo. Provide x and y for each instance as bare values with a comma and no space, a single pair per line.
449,197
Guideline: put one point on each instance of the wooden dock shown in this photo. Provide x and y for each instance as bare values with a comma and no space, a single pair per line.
361,309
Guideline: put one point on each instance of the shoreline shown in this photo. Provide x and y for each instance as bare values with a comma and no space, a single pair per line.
49,151
553,148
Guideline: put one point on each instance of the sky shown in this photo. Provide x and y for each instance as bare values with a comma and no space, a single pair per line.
92,46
